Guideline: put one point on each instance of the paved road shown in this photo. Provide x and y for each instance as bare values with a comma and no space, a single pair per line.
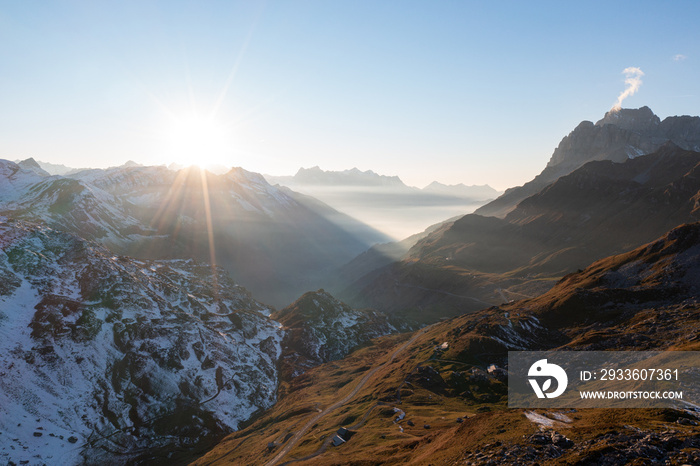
297,437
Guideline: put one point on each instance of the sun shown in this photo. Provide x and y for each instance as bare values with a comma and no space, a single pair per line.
197,140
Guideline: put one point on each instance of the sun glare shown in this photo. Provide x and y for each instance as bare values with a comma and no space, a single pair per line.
195,140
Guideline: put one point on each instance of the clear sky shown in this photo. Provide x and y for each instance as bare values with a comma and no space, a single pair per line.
454,91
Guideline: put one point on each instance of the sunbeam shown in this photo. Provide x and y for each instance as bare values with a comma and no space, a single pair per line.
210,228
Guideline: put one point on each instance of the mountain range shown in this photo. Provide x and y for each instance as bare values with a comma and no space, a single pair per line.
127,336
273,240
48,168
601,208
385,202
354,177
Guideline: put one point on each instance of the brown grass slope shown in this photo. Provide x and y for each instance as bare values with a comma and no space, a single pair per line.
647,298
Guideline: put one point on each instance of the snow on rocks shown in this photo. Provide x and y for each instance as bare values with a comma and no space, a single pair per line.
102,355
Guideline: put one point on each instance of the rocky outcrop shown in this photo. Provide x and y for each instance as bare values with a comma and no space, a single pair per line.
320,329
629,446
107,357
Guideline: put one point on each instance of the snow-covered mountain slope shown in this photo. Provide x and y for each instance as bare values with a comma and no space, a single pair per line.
33,165
103,357
320,329
236,220
66,204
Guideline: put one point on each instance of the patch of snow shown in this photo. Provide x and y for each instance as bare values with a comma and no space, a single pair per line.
560,417
541,420
247,205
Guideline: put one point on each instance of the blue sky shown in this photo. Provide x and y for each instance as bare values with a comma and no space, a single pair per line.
473,92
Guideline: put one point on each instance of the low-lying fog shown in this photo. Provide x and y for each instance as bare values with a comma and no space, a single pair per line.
398,213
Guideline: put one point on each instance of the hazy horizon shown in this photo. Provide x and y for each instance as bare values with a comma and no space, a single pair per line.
458,92
398,212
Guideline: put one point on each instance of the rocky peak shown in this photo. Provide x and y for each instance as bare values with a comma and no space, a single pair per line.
313,170
632,119
31,164
242,176
621,134
352,177
312,305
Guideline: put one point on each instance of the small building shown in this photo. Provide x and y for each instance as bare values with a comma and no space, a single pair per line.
337,440
341,436
497,372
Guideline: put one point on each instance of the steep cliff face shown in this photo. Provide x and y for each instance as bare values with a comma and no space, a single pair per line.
618,136
623,134
105,356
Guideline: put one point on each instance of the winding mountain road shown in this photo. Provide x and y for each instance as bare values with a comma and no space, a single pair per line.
297,437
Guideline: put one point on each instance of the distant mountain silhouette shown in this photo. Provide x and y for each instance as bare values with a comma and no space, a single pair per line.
352,177
385,202
315,176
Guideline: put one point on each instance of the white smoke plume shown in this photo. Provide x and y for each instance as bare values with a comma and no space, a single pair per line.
633,80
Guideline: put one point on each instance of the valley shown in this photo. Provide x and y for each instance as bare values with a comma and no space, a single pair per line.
385,202
218,319
455,407
349,233
601,208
